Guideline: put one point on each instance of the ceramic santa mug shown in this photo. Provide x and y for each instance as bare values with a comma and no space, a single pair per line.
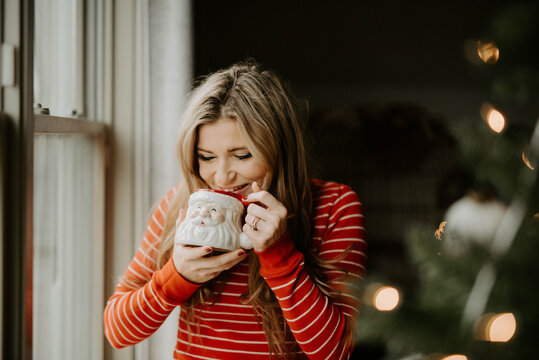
214,218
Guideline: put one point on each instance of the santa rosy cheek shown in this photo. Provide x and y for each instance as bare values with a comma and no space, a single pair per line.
218,218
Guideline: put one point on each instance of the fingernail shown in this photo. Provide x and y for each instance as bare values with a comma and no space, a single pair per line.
209,250
241,253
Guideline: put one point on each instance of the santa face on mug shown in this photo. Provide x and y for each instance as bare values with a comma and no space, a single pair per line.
213,219
207,214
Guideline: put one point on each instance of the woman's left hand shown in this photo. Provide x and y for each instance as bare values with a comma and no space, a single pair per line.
272,217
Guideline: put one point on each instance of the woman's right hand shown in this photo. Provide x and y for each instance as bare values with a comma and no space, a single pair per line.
195,266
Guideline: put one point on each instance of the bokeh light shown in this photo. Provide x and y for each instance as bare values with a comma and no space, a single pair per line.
440,231
386,298
455,357
526,160
502,327
488,52
495,327
496,121
494,118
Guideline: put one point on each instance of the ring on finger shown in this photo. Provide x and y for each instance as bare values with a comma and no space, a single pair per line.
255,221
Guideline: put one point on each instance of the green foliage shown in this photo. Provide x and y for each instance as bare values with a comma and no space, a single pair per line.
491,158
519,86
429,319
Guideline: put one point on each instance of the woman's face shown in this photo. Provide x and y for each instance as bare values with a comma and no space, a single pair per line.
224,160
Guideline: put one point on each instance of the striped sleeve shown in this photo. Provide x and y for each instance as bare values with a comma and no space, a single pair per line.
321,326
344,243
144,296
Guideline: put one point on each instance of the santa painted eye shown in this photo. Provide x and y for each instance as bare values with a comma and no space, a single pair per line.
213,210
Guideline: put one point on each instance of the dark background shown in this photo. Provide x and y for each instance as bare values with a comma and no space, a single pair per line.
342,52
384,80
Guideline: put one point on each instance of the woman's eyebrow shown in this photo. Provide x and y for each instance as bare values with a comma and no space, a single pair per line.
201,149
229,150
237,148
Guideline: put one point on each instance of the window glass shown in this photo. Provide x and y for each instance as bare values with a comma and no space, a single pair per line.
66,255
58,56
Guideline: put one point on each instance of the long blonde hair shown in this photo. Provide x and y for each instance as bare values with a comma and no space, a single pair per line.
269,122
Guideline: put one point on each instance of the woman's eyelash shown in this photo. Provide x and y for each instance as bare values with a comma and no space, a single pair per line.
208,158
205,158
245,156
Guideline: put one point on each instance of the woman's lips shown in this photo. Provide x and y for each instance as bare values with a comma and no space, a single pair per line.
237,189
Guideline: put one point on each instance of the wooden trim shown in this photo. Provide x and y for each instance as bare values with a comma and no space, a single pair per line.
119,223
98,259
46,124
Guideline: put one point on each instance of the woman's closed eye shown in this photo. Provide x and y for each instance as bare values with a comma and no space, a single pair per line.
244,156
205,158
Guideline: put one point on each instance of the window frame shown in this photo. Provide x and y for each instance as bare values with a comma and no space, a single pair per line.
114,50
19,125
46,124
17,114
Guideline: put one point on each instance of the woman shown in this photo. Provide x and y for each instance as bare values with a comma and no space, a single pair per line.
288,297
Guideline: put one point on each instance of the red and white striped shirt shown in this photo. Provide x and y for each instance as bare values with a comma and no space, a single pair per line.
228,329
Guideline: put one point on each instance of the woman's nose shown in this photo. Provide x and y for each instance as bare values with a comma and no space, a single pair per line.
224,175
